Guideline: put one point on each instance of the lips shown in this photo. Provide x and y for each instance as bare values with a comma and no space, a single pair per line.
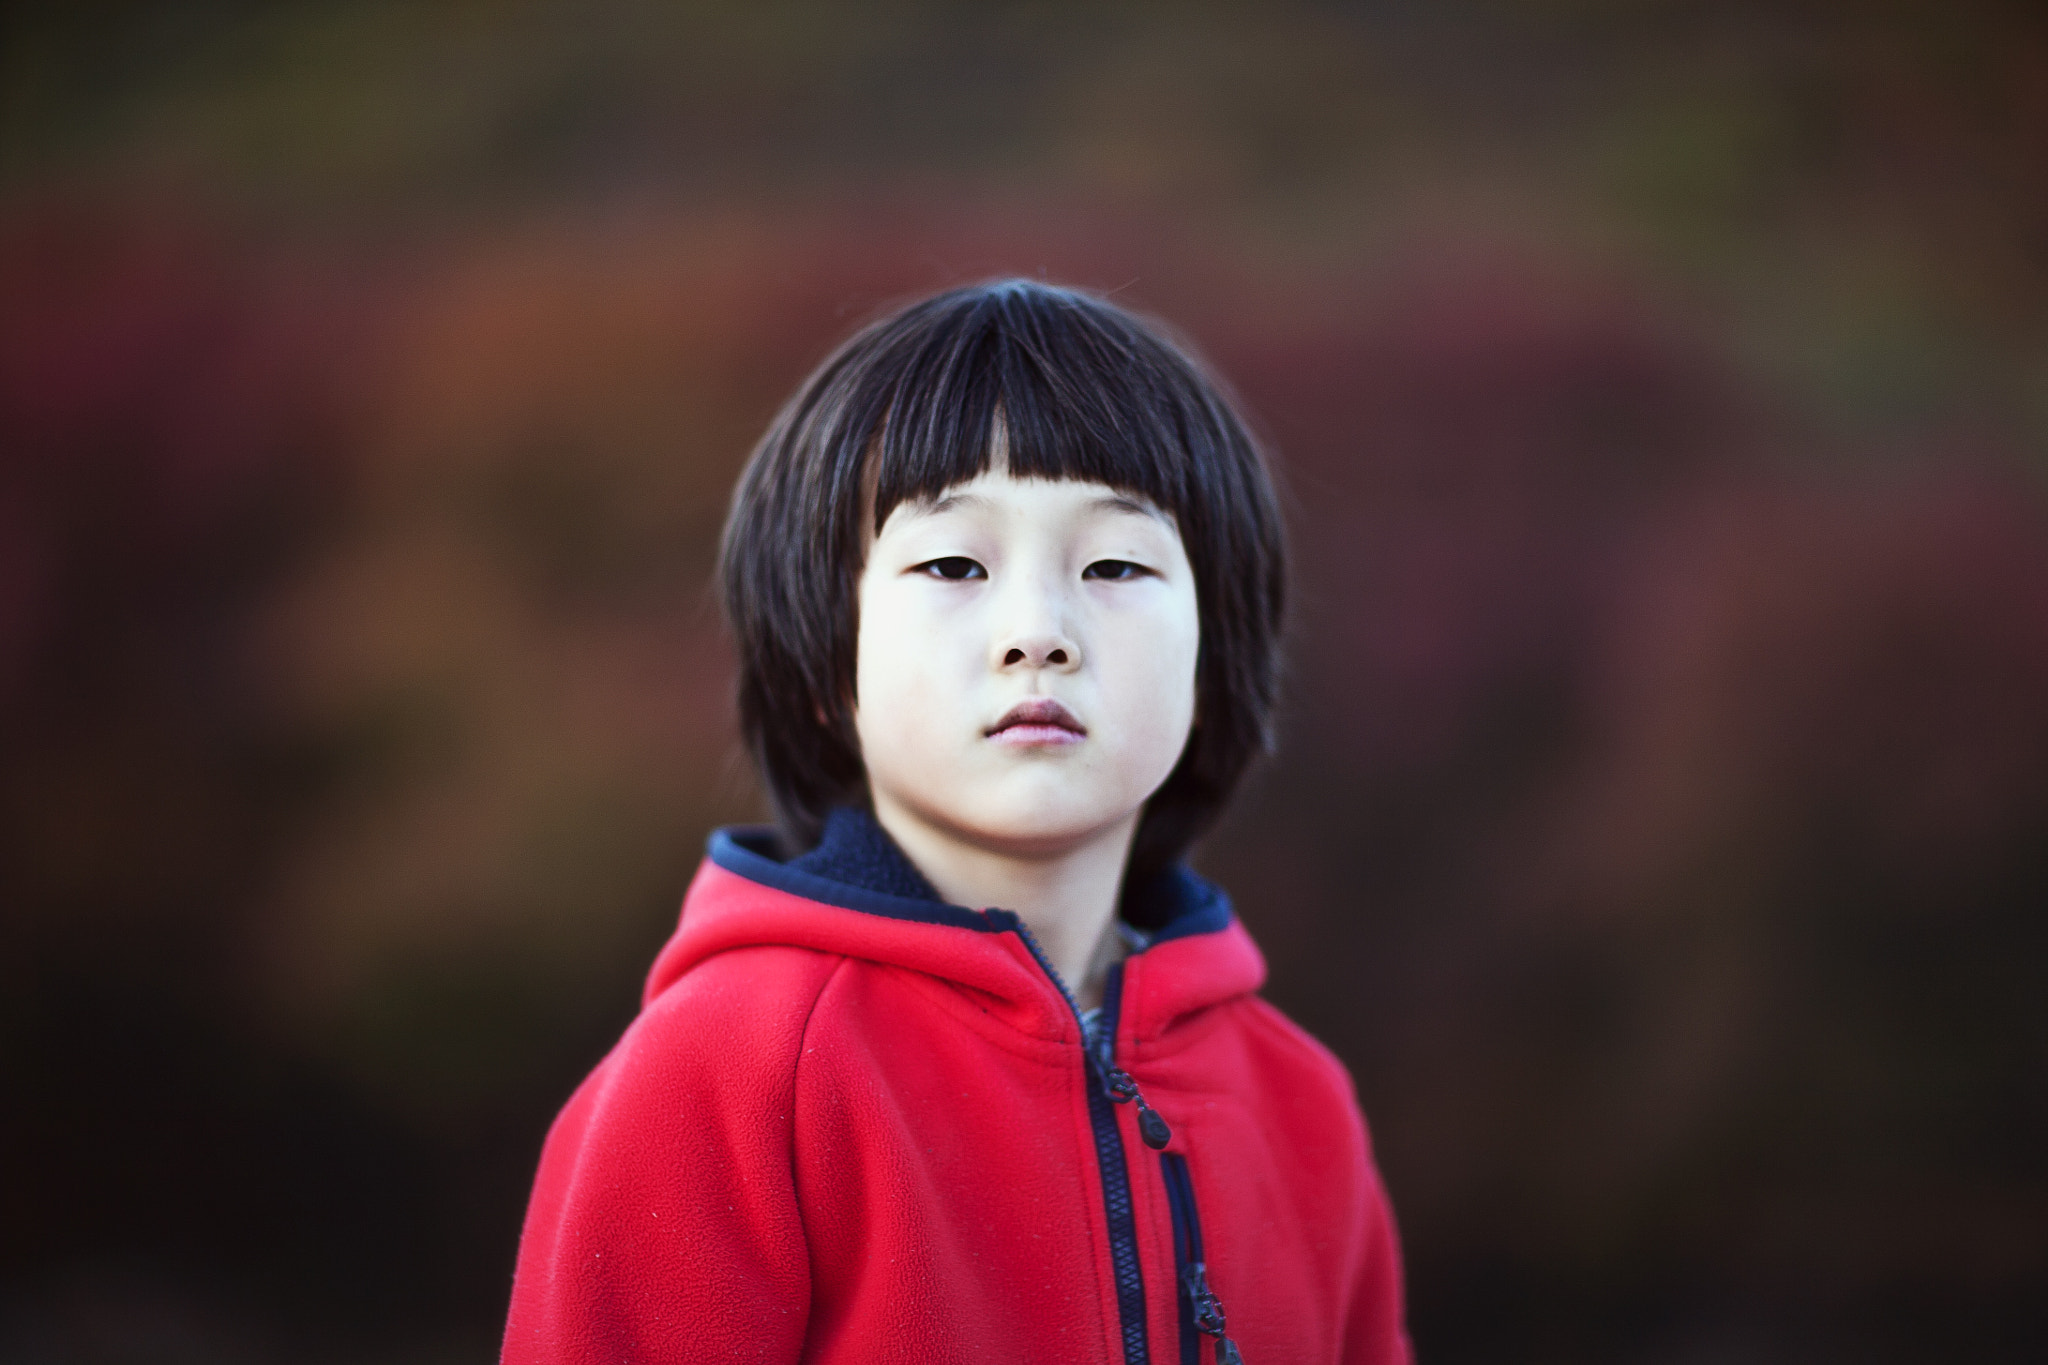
1038,720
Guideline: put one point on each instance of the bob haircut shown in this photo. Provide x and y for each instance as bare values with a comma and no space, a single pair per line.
908,407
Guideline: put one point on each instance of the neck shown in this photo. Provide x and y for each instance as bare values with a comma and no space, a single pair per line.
1067,896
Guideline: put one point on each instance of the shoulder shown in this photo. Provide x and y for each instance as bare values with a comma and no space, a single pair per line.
1289,1040
724,1035
1304,1092
665,1193
758,987
1296,1074
743,1001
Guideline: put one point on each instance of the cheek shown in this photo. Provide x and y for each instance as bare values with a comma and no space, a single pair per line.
895,683
1158,681
889,700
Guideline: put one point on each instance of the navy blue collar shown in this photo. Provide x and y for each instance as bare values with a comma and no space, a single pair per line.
857,866
856,850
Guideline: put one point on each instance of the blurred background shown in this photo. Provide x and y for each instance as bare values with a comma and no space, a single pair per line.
1660,829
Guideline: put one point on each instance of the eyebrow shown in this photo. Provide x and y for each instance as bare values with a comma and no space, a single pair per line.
1118,502
1108,502
950,502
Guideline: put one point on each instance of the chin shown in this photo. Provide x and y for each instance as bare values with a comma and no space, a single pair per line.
1040,826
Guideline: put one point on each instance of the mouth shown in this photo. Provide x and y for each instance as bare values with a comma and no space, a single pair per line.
1037,721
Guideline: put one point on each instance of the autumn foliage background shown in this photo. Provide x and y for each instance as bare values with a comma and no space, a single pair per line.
1660,828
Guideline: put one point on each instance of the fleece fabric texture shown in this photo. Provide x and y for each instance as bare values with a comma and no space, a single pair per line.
854,850
850,1125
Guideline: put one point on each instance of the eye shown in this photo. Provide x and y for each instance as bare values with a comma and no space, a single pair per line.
1114,570
953,568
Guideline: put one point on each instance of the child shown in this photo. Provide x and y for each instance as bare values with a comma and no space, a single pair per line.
1005,578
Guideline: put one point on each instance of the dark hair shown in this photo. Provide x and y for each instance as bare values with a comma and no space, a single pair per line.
908,406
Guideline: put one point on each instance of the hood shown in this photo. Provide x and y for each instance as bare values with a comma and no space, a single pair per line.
1196,956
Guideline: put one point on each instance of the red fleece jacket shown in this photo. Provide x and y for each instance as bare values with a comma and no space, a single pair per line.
848,1126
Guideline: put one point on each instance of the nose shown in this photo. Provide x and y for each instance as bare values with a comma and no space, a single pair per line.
1050,652
1036,636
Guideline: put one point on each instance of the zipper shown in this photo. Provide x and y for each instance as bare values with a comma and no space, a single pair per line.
1106,1082
1201,1312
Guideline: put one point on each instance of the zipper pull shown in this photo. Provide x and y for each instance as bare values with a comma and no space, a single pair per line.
1151,1127
1118,1085
1209,1314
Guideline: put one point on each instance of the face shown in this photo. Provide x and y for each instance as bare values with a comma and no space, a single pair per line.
1025,672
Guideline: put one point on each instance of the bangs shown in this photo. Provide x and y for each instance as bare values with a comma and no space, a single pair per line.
1075,396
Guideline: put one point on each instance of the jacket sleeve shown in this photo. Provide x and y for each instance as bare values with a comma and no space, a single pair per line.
664,1221
1376,1326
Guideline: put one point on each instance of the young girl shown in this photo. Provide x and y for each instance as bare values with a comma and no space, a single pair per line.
962,1062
